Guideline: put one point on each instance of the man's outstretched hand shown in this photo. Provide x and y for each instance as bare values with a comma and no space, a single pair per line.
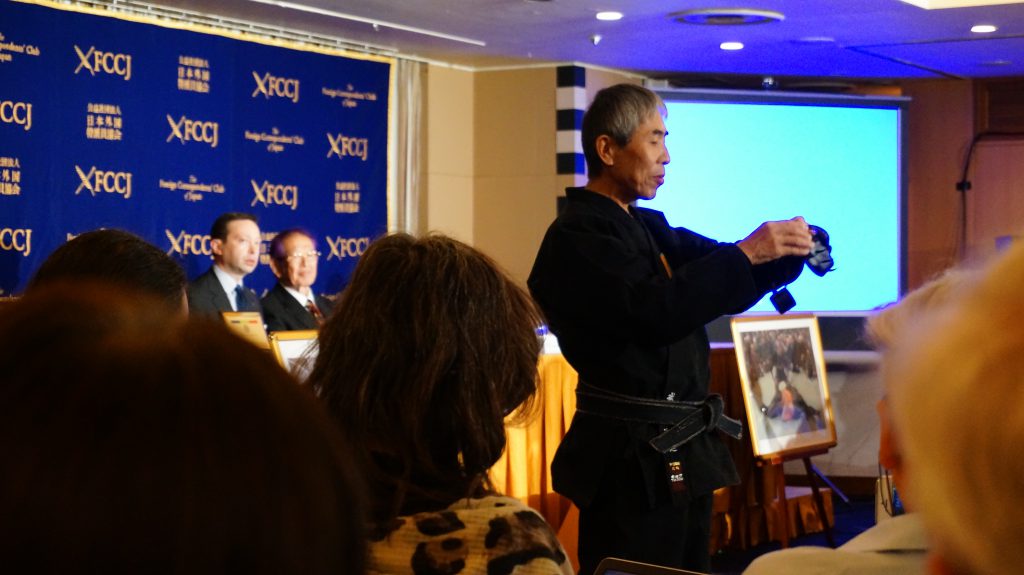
773,240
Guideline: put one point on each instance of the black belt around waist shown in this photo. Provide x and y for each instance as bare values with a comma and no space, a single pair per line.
687,419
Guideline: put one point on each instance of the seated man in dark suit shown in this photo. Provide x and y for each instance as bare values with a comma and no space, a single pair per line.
292,304
235,243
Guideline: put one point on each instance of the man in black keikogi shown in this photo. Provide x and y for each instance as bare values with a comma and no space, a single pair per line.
628,297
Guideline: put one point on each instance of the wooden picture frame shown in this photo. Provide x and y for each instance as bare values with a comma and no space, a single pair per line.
785,387
295,350
248,325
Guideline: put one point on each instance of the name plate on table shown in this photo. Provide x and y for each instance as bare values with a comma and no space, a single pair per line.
248,325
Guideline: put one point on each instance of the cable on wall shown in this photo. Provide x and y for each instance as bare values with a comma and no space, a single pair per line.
964,185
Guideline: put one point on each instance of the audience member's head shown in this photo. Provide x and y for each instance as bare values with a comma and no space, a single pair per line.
118,257
235,242
884,328
887,328
294,257
431,347
959,412
617,111
134,441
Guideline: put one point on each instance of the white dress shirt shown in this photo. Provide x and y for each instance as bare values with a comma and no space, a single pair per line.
228,283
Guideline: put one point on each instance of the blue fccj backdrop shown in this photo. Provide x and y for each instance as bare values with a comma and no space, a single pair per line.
120,124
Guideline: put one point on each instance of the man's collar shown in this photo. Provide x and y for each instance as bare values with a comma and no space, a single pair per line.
586,195
610,189
299,296
227,281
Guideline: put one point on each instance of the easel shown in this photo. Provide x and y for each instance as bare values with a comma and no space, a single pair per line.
812,474
776,349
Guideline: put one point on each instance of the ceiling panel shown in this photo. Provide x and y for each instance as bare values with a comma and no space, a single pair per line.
880,40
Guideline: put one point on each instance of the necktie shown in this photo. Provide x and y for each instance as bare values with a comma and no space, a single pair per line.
242,300
311,306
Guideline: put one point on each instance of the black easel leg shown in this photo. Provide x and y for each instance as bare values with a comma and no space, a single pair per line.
835,490
820,501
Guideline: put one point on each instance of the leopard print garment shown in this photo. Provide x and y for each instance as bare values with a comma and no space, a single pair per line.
492,535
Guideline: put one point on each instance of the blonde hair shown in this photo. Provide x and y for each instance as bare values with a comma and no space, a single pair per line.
884,328
960,412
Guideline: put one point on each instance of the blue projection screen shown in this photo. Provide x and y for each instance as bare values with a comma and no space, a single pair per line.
742,158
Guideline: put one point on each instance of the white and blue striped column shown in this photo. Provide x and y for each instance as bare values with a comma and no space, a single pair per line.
571,101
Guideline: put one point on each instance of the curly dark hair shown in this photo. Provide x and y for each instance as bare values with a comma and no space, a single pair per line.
430,348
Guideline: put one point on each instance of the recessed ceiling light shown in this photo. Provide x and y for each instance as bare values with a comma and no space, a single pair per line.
731,45
727,16
609,16
815,40
942,4
983,28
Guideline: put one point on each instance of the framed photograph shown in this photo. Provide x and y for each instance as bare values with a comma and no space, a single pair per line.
248,325
785,390
295,351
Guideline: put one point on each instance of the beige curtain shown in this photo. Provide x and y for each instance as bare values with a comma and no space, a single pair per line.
522,470
407,128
